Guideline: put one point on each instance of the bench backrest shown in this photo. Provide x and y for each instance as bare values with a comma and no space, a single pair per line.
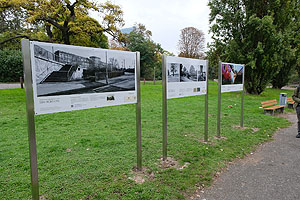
289,99
269,103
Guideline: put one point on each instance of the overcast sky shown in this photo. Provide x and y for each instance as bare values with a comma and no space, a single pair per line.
165,18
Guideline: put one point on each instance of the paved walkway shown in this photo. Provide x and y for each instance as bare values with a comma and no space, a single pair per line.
9,85
271,173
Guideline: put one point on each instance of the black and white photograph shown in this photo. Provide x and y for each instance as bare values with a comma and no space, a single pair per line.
185,77
192,73
201,73
63,70
173,72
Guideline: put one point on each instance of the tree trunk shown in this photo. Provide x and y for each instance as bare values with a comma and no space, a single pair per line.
49,32
66,36
154,76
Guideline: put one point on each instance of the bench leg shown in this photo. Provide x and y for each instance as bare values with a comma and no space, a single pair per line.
269,112
281,110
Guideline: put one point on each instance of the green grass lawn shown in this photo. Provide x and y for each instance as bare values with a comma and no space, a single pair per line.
89,154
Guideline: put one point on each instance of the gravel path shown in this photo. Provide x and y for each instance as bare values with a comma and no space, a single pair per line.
271,173
9,85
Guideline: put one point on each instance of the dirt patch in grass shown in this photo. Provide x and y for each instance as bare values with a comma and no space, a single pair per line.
42,197
171,163
254,130
141,176
168,163
239,127
286,115
207,142
220,138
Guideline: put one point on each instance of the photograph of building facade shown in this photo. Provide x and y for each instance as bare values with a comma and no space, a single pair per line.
62,72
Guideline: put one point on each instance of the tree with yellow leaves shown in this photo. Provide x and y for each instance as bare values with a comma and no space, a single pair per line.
68,22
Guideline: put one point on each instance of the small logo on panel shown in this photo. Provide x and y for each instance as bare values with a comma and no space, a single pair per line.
110,98
197,89
130,98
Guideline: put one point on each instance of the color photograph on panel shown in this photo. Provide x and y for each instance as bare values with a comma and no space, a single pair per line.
232,77
232,74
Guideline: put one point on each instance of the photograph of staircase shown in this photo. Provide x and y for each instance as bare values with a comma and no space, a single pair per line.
63,75
67,71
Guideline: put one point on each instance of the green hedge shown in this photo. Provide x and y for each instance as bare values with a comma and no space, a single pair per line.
11,65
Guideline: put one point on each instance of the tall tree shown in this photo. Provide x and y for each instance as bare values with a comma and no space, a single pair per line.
287,20
191,43
12,22
150,52
213,55
68,21
246,32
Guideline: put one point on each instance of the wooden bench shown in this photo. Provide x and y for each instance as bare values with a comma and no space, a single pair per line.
271,107
290,102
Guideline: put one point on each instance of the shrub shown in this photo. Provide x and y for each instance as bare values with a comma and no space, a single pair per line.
11,65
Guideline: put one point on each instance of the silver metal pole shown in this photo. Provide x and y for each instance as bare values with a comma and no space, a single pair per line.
138,114
164,106
206,106
219,99
30,117
242,109
242,104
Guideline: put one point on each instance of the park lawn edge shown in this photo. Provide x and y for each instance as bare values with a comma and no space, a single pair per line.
110,181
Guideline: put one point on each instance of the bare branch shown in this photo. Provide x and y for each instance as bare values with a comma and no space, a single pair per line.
21,36
191,43
51,21
15,37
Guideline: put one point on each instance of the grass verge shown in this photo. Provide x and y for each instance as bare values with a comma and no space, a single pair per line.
90,154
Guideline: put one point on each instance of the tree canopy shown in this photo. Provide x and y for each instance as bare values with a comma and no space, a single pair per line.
260,34
150,52
191,43
66,21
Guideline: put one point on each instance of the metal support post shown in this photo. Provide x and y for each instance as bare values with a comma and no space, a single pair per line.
242,109
138,114
30,117
206,106
164,106
242,96
22,82
219,99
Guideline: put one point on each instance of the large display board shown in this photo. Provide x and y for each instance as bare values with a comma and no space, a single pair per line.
182,77
232,77
62,78
185,77
69,77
